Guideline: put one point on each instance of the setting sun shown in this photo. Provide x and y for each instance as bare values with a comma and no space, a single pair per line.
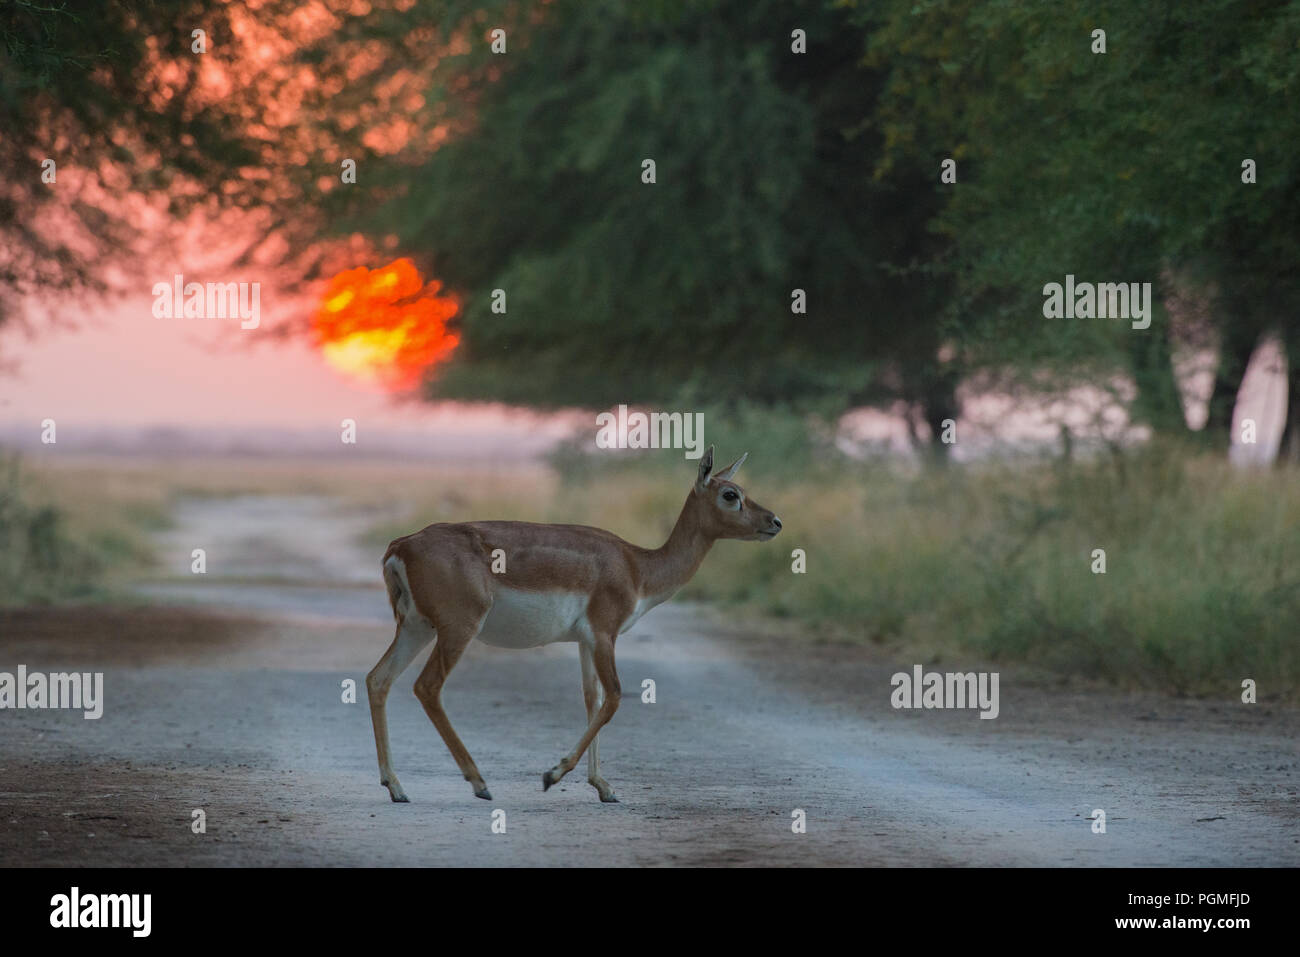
385,326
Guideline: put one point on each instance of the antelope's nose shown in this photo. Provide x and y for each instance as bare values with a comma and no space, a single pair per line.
776,523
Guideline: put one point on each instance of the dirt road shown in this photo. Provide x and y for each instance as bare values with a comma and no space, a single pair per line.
224,695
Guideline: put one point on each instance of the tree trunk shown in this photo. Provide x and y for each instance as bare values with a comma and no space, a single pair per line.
1235,350
1289,452
938,404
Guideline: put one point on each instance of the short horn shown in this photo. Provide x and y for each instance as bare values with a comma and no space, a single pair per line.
731,469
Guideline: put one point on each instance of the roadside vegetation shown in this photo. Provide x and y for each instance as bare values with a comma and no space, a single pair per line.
1201,587
1202,560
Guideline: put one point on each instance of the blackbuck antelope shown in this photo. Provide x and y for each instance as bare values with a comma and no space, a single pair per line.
559,583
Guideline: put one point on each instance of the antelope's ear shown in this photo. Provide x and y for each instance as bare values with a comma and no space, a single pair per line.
730,470
706,469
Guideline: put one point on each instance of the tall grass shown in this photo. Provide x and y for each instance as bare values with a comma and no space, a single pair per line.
39,560
1201,589
1202,560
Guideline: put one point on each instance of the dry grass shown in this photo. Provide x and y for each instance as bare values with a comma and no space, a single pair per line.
1202,587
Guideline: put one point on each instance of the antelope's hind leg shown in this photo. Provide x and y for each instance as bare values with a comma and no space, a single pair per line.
453,638
413,636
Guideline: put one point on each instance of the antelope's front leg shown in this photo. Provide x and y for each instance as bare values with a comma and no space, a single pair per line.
592,695
603,660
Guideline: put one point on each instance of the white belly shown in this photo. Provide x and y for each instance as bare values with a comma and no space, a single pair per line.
527,619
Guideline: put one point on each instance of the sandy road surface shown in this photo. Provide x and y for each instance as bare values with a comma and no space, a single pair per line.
226,697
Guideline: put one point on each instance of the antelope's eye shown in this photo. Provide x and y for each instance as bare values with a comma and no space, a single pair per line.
730,495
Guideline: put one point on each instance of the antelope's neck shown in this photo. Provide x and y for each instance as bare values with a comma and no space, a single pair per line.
673,564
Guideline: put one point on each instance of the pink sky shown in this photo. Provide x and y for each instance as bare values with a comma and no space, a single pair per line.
125,368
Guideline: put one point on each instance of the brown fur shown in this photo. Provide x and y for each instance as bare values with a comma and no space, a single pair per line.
452,586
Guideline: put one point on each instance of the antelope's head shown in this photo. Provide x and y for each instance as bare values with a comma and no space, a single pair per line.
724,510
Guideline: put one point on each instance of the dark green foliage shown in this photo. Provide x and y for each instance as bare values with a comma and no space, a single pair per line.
623,291
1121,166
775,171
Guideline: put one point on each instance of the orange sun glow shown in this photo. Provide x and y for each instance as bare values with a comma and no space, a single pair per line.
385,326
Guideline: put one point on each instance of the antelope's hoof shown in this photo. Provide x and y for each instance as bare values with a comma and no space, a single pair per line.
549,778
609,798
483,793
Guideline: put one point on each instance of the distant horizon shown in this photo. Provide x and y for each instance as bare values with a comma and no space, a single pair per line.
130,383
505,441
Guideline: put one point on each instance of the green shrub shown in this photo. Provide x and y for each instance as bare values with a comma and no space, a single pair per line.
39,561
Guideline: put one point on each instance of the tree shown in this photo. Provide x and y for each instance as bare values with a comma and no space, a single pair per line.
147,126
621,290
1120,165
